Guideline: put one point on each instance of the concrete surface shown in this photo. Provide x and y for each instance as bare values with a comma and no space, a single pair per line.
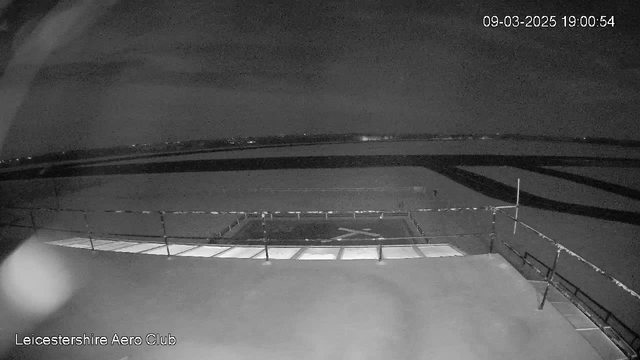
474,307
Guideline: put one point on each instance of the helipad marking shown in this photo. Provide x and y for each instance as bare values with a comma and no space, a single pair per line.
352,232
138,248
359,253
399,252
204,251
320,253
66,242
173,249
114,245
87,244
438,251
279,253
241,252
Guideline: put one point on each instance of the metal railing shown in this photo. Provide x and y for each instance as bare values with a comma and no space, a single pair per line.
575,292
218,236
549,274
632,341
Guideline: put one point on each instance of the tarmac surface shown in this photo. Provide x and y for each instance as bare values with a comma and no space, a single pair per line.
474,307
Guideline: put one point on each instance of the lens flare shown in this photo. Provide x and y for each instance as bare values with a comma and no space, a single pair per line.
35,280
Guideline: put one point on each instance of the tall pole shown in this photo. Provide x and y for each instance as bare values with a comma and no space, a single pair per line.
493,231
515,224
164,233
264,238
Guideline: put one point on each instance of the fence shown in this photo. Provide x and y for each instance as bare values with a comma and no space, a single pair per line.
239,216
605,319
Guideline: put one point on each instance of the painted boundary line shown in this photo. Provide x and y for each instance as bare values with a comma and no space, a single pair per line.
257,252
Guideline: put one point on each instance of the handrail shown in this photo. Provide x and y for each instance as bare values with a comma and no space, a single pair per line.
255,212
580,258
551,273
244,214
549,277
577,291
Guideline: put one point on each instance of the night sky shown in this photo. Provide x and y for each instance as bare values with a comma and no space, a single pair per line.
157,71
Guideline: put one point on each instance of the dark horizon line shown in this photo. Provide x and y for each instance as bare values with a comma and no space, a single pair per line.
175,148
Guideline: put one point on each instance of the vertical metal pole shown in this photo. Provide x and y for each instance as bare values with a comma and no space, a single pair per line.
549,279
493,231
33,222
164,232
515,224
380,251
86,225
265,238
55,192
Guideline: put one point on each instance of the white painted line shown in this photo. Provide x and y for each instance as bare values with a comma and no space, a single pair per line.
278,253
320,253
114,245
352,232
173,249
438,251
138,248
360,253
399,252
66,242
204,251
87,244
241,252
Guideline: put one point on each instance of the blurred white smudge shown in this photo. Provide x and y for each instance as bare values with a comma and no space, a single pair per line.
35,281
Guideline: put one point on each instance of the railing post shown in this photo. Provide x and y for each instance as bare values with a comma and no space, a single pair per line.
549,279
89,234
33,222
164,233
515,224
55,192
380,252
493,231
524,261
265,239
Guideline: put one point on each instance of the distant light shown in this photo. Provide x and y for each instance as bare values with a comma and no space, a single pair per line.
251,142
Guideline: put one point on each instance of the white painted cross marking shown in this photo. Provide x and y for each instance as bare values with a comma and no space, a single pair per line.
351,232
